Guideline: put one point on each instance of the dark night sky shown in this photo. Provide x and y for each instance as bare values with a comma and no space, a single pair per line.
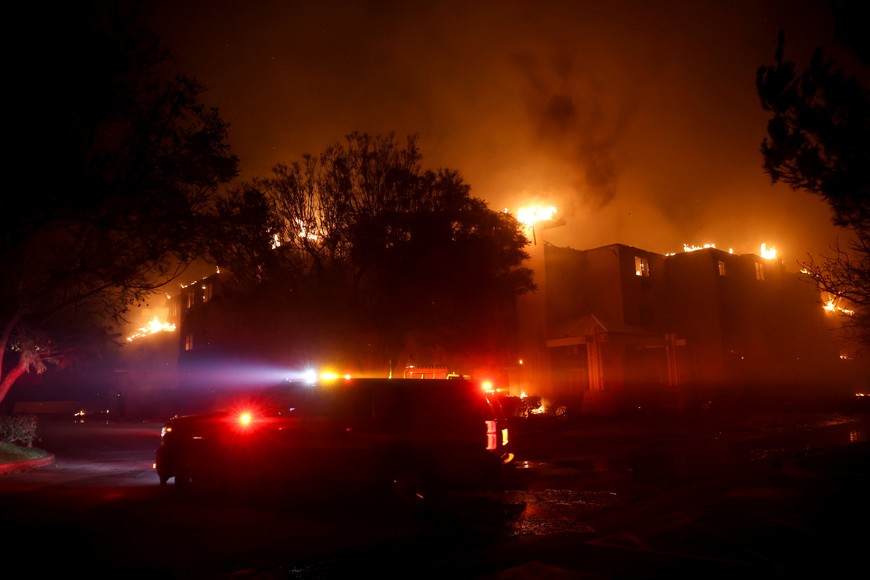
638,120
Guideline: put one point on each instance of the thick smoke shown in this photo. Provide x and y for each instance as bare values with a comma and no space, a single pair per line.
572,124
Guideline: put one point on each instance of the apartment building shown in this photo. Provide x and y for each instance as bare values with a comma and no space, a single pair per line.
626,326
608,327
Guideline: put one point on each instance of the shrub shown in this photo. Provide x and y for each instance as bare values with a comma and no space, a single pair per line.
18,429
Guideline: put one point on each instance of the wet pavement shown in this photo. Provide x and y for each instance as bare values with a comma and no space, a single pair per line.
760,494
718,495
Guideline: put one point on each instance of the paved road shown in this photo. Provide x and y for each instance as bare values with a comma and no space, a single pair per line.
722,496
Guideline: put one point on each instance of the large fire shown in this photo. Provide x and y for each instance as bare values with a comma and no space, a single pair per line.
152,327
768,253
529,216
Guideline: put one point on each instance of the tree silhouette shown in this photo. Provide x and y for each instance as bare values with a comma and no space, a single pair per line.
381,258
128,161
818,141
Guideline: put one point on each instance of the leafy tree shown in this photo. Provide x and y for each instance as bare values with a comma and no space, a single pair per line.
128,163
247,232
818,141
382,259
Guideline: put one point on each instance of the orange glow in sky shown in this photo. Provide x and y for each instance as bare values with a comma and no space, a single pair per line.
639,121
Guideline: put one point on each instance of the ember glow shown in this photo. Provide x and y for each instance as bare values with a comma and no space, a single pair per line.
152,327
832,305
768,253
688,248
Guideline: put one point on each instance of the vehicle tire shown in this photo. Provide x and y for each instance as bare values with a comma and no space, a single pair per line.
183,476
190,474
415,491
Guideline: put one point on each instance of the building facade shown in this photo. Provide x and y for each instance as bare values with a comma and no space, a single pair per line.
608,328
629,327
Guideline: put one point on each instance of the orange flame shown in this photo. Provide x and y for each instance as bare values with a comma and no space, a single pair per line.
531,215
152,327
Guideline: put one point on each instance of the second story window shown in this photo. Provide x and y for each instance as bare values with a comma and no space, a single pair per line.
641,266
188,342
759,271
721,268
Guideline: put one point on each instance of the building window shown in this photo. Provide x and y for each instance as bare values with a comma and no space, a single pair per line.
188,342
206,292
759,271
641,266
721,268
189,299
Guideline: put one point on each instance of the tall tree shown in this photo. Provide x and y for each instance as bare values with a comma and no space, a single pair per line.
126,162
818,141
247,232
388,260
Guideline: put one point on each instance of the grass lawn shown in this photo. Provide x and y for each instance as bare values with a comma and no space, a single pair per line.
10,453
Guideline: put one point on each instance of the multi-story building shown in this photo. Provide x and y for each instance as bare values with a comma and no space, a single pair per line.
626,326
608,327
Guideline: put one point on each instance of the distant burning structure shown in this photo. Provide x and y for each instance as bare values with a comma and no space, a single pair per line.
608,327
625,326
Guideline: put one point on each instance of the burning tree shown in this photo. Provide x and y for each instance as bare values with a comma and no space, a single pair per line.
818,141
128,162
377,256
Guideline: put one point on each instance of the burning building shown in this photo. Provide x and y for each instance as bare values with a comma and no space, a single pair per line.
629,327
608,328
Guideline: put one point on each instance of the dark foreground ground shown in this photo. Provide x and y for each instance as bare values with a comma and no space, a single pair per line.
761,492
764,492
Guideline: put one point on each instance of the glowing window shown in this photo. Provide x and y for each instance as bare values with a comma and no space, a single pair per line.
206,292
188,342
641,266
721,268
759,271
